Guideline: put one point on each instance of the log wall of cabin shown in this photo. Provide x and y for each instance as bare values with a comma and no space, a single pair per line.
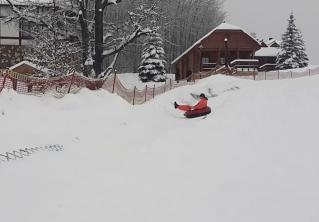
11,40
10,55
240,46
237,41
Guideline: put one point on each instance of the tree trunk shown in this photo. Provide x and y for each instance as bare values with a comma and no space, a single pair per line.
98,61
87,67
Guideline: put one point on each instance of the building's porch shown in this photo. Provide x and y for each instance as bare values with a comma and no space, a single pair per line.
211,59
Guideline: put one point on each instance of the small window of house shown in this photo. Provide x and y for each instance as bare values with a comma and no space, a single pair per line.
26,29
205,60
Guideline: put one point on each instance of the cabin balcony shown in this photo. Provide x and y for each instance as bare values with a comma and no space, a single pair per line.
212,59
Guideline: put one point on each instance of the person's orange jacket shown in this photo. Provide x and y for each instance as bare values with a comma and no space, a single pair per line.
201,104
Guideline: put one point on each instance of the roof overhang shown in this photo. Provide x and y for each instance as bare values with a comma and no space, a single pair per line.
221,27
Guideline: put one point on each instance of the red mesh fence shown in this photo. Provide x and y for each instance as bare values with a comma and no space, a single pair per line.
74,82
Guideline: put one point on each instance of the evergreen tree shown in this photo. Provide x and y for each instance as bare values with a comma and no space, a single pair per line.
293,52
152,67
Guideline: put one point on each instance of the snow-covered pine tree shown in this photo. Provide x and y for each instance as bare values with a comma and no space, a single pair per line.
153,62
293,52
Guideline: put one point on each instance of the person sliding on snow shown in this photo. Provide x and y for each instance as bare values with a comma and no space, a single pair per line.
200,105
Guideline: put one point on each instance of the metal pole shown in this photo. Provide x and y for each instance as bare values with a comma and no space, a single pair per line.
265,75
226,52
134,95
145,92
113,87
29,88
71,83
4,82
14,84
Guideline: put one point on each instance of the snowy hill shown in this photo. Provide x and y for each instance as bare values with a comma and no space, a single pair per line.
253,159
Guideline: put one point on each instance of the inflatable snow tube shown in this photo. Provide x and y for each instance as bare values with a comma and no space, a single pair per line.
197,112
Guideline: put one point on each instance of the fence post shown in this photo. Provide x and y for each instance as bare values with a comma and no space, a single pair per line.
29,87
278,74
154,91
164,86
254,75
4,82
309,72
145,92
170,83
265,75
69,90
113,87
291,74
14,84
134,95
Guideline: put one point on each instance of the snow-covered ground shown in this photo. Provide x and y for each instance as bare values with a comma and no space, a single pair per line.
255,158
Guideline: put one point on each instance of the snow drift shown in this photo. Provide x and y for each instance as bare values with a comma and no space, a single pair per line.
253,159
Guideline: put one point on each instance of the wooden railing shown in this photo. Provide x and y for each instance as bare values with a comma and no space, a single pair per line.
267,67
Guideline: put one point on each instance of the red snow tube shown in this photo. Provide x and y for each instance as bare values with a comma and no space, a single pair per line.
197,112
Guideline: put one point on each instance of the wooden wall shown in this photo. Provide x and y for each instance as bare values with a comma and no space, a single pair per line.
240,45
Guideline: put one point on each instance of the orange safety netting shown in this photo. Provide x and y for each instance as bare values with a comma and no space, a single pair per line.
72,83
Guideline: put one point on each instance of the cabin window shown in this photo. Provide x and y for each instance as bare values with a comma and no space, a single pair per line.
205,60
26,29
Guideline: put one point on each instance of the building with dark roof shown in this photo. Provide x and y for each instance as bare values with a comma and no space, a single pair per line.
221,46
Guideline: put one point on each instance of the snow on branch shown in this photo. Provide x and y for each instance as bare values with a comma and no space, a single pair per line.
126,40
138,20
26,14
110,68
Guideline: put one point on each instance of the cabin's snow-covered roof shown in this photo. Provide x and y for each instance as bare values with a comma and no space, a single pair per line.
223,26
267,52
272,41
24,63
227,26
44,70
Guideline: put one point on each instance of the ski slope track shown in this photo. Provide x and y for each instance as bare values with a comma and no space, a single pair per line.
255,158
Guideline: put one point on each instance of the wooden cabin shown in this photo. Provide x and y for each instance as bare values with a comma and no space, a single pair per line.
273,43
263,44
11,33
267,55
28,68
219,47
12,37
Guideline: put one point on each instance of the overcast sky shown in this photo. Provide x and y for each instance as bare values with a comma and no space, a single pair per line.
268,18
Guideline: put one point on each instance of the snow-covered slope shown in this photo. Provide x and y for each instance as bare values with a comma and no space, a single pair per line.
253,159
